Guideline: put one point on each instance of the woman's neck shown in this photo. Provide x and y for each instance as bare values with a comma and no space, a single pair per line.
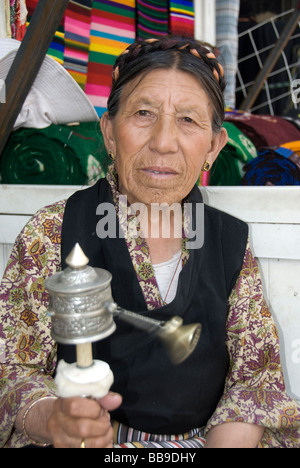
162,250
164,232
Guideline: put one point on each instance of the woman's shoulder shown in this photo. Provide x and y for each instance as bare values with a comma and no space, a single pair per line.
44,227
52,212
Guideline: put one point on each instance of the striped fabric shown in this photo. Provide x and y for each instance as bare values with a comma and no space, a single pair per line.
112,30
126,437
57,47
227,15
195,442
152,18
182,18
94,32
77,39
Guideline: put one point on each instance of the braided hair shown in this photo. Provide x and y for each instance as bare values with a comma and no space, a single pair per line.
193,57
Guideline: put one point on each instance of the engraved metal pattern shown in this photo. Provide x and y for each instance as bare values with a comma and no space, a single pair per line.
81,302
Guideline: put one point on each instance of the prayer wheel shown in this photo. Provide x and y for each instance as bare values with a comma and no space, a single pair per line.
82,311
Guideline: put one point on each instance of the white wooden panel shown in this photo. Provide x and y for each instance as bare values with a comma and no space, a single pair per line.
276,240
27,199
10,227
5,251
257,204
252,204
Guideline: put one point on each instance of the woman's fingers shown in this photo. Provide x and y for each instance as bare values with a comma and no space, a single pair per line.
77,419
111,401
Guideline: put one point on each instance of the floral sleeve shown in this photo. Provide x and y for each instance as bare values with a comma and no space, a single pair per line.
28,353
254,390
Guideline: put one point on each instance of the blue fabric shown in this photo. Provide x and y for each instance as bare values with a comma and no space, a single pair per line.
271,168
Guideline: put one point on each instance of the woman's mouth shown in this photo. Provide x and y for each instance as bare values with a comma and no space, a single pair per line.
160,171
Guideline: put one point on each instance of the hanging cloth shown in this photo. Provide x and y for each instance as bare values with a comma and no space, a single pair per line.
152,18
57,46
227,16
20,19
77,39
5,24
112,30
182,18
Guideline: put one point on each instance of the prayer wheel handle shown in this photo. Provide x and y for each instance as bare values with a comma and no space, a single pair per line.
179,340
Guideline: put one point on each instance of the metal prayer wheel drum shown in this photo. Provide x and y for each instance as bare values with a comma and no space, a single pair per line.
82,310
81,302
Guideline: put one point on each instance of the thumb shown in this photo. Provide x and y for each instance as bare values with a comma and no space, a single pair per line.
111,401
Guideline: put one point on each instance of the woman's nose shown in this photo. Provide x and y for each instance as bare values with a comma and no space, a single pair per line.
164,138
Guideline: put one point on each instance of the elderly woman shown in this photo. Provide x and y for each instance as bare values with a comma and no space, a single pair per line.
163,127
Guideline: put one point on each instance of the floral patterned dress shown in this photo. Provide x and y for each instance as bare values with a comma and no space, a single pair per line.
254,389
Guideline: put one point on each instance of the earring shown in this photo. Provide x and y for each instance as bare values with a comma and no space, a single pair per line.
111,155
206,166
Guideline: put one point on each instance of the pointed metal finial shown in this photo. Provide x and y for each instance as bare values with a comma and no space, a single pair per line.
77,258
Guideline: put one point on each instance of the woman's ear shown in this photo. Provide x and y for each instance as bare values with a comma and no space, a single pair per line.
106,126
219,141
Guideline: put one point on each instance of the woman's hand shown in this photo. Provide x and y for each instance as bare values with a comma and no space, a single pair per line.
66,423
75,420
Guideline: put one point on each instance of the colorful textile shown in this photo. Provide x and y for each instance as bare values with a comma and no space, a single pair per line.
182,18
18,16
56,155
57,46
112,30
264,130
227,16
126,437
254,390
228,168
77,39
152,18
273,167
293,146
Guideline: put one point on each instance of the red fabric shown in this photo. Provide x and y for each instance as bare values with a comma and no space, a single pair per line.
264,130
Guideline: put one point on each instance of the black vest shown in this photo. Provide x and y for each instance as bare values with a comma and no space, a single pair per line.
159,397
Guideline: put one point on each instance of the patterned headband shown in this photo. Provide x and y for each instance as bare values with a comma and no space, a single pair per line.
152,45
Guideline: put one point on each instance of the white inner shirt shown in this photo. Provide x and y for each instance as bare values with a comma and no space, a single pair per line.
164,273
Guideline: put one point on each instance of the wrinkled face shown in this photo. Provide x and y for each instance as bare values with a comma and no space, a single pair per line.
161,136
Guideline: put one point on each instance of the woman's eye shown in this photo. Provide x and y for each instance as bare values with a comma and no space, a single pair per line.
187,120
143,113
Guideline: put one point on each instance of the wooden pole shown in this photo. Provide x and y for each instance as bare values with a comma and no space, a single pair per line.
84,355
30,56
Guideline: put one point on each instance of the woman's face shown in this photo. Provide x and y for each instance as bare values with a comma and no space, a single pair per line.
161,136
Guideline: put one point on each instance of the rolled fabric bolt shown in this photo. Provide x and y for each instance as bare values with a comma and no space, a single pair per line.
73,381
